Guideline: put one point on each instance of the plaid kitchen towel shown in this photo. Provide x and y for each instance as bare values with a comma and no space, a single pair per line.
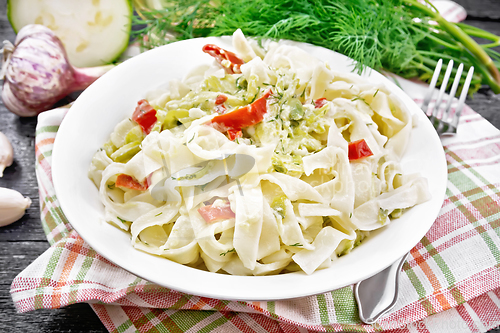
451,280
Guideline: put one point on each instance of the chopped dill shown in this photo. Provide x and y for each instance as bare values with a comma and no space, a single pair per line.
358,98
122,220
227,252
254,98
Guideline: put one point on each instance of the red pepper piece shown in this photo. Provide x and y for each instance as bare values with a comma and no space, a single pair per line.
320,102
220,109
144,115
123,180
243,117
359,149
234,134
211,213
230,61
219,104
220,99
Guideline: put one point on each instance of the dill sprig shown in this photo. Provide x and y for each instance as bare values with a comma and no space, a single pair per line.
395,35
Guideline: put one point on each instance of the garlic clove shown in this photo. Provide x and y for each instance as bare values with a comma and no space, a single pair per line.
6,153
12,206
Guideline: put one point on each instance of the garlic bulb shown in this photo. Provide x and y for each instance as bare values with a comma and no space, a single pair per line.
12,206
6,153
37,74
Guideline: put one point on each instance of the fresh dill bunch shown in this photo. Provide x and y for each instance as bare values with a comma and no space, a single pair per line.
177,20
371,32
374,33
399,36
378,34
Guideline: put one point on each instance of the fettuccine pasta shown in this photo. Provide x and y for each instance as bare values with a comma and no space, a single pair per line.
264,162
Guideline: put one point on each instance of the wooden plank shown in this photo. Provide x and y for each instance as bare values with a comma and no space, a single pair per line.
21,175
483,9
485,102
77,318
23,241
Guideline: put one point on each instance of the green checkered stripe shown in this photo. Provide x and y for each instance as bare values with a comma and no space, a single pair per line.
54,222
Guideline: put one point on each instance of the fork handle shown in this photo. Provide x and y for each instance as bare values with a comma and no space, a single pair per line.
378,294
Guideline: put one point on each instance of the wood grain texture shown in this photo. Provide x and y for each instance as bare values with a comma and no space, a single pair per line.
23,241
481,9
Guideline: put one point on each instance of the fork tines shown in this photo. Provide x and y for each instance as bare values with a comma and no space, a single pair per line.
446,122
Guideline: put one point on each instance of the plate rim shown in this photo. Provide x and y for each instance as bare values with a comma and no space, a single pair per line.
218,292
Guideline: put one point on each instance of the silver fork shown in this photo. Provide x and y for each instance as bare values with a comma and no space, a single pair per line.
378,294
445,122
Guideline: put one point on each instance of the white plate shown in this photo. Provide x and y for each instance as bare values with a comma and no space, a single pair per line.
113,97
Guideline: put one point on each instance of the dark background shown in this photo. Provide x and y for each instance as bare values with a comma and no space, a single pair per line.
23,241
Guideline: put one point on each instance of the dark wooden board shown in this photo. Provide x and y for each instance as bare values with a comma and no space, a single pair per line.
481,9
23,241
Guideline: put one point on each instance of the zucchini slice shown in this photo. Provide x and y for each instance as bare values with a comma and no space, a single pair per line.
94,32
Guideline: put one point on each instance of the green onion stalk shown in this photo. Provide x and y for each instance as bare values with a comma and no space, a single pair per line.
477,55
405,37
